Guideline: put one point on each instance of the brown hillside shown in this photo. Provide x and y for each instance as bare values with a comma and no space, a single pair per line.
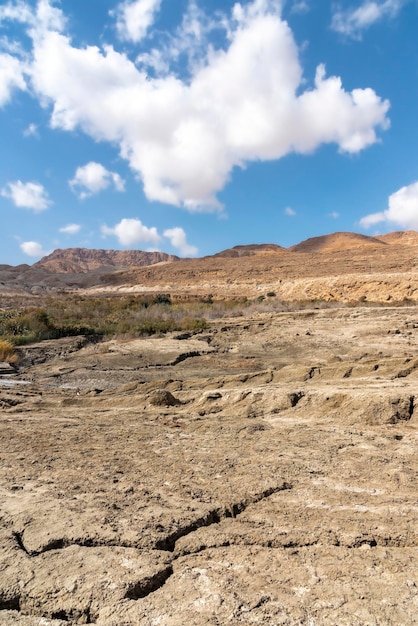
342,267
250,250
405,238
82,260
336,242
347,267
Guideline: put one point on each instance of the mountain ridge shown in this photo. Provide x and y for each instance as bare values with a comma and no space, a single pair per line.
235,272
83,260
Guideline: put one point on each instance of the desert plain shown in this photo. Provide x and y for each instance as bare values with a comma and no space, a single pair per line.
262,470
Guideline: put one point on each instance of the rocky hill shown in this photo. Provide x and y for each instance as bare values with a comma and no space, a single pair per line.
336,242
403,237
340,267
82,260
250,250
336,267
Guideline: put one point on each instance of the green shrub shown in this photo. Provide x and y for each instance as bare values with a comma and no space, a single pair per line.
162,298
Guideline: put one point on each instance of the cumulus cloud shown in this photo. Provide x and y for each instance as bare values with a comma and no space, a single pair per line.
70,229
135,17
178,240
401,212
11,77
94,177
244,101
27,195
289,211
130,231
33,249
352,22
334,214
45,17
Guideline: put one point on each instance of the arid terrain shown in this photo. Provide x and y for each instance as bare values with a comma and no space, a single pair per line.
260,471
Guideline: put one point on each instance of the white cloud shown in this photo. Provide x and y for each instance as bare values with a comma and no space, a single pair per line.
352,22
402,211
92,178
16,12
134,17
184,136
178,239
11,77
27,195
289,211
300,6
70,229
130,231
44,18
334,214
31,131
32,248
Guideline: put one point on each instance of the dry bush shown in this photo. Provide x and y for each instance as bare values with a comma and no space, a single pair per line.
7,352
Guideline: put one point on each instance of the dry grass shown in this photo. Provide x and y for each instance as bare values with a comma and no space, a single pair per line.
7,352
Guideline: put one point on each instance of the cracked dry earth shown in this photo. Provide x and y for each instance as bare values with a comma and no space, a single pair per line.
261,472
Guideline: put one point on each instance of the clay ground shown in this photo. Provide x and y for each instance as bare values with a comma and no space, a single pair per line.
261,472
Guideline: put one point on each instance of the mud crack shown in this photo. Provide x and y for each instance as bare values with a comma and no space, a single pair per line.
144,588
214,516
62,543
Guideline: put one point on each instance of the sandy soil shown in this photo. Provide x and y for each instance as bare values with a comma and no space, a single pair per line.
261,472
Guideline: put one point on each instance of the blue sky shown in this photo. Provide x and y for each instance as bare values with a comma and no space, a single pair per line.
193,126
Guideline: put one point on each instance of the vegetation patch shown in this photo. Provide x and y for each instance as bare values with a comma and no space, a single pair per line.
67,316
7,352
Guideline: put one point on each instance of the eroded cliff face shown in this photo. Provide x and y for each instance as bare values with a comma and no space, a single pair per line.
81,260
260,472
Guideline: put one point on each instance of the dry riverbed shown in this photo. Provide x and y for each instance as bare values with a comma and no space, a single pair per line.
261,472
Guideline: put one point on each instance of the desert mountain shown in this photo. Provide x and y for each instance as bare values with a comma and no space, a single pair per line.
403,237
336,267
82,260
250,250
337,241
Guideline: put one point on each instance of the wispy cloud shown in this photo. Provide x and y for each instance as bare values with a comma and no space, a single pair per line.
31,131
289,211
27,195
353,22
70,229
300,6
